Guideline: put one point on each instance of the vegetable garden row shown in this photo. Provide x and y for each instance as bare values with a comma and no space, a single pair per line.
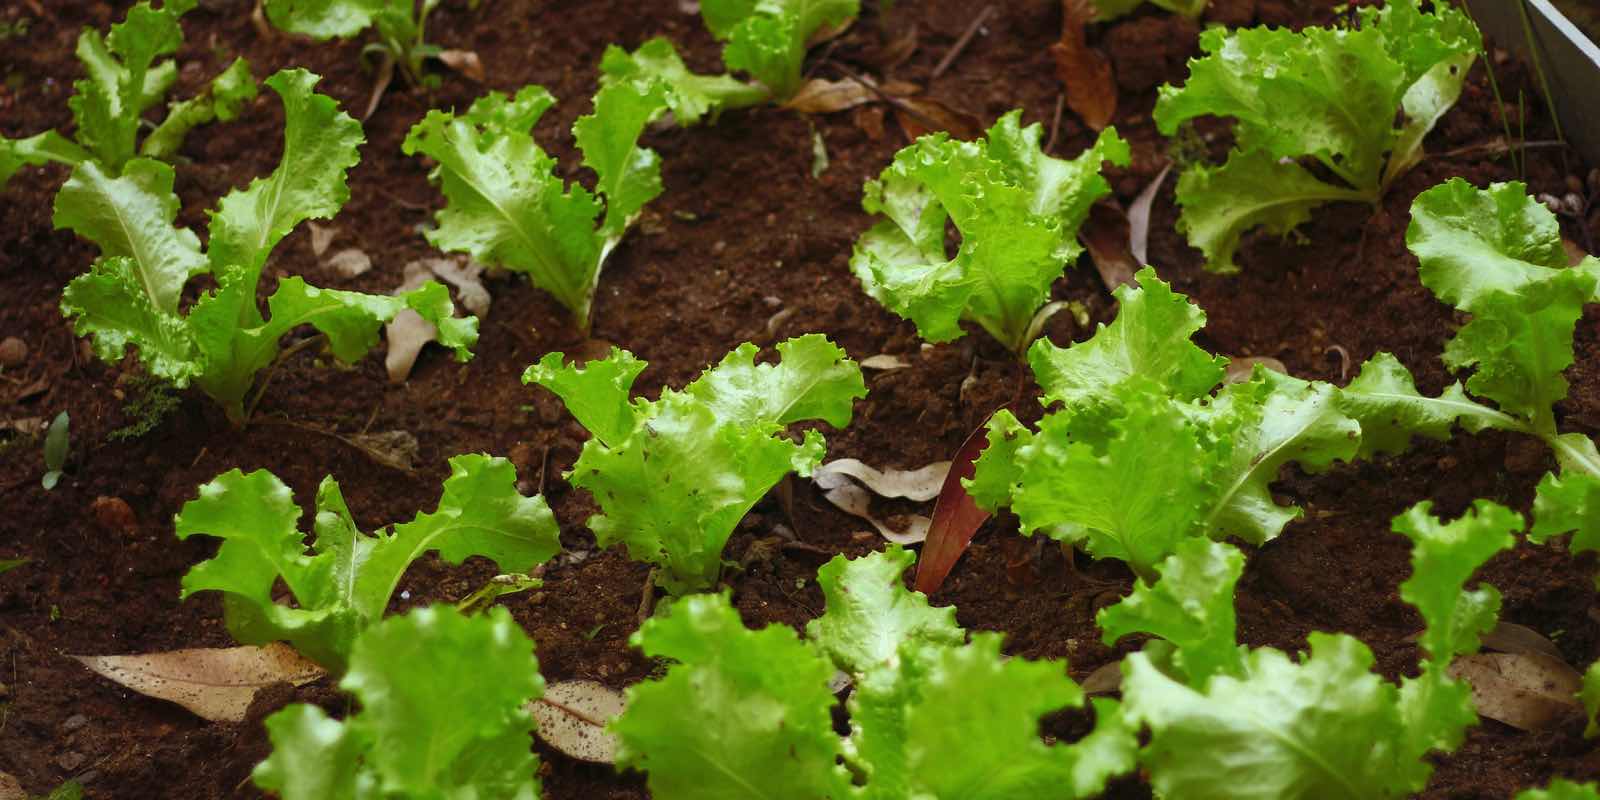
1132,442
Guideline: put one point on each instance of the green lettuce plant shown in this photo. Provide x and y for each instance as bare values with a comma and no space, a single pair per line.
400,25
507,208
343,582
744,713
1496,254
125,76
674,476
1355,101
443,715
1146,448
1018,212
766,39
1562,789
1226,721
133,293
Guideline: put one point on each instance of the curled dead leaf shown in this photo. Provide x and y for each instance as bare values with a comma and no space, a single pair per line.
216,684
321,237
1509,637
1107,679
572,718
884,362
1084,71
1528,691
349,262
920,484
1105,234
1139,217
921,115
397,449
465,62
956,516
11,788
406,333
821,96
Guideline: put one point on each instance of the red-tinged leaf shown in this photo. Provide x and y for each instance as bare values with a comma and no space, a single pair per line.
956,518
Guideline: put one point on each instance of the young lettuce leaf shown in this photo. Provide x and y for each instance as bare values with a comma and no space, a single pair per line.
131,295
400,24
766,39
1327,95
443,714
747,713
507,207
1227,722
1562,789
343,582
124,77
1018,211
674,476
1146,450
1496,254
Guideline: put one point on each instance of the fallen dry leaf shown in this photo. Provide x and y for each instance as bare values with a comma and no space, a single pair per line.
1139,218
465,62
572,718
217,684
1528,691
321,237
1107,679
408,332
921,115
854,500
884,362
1509,637
10,788
1085,71
467,278
349,262
821,96
920,484
397,449
1105,235
897,50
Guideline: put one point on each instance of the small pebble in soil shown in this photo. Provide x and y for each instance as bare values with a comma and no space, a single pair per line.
113,515
73,723
71,761
13,352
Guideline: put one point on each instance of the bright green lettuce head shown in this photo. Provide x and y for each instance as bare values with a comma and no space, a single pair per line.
1329,96
1018,212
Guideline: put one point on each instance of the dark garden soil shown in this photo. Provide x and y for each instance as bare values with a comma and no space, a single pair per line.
743,245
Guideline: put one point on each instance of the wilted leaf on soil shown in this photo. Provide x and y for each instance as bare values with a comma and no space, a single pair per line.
1085,71
408,331
914,484
1529,691
465,62
1509,637
217,684
1107,679
1105,235
321,237
921,115
398,449
349,262
821,96
849,497
884,362
956,518
572,718
10,789
1139,218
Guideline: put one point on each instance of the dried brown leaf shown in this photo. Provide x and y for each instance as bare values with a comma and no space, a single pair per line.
884,362
1105,235
921,115
920,484
10,788
465,62
1509,637
1528,691
216,684
1084,70
821,96
897,50
406,335
572,718
1139,218
349,262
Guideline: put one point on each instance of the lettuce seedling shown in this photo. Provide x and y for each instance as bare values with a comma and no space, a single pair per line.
401,26
443,714
123,78
1018,211
675,475
343,582
766,39
1562,789
1496,254
1329,96
507,207
132,294
1228,722
746,713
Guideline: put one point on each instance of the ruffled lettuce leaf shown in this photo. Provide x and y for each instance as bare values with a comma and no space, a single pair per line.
691,97
443,714
768,38
675,475
1328,96
342,583
507,208
1191,607
931,714
122,79
1018,212
222,100
1562,789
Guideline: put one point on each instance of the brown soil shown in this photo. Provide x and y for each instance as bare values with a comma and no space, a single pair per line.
742,232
